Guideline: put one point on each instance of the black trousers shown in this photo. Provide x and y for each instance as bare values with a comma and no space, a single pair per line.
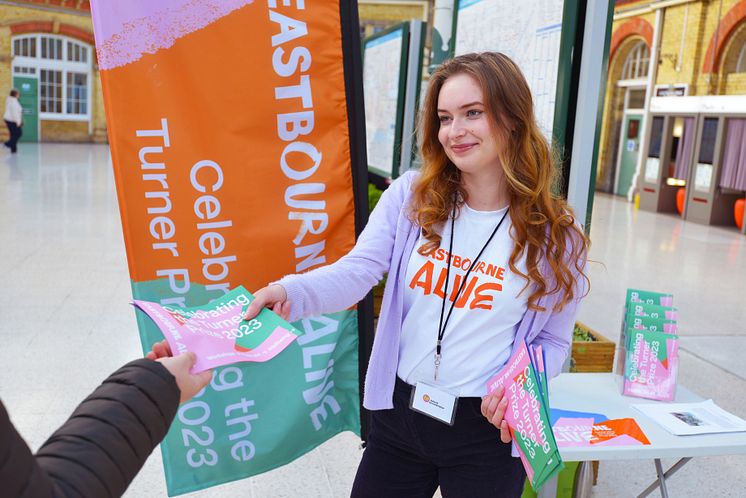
409,455
15,134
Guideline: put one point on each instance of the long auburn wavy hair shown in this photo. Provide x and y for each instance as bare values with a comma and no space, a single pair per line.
544,227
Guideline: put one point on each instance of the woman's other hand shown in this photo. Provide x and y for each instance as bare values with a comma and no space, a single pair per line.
273,297
493,408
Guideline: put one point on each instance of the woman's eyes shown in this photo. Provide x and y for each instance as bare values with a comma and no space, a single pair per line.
471,113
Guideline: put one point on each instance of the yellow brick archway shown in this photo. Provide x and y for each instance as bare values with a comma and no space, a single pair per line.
613,112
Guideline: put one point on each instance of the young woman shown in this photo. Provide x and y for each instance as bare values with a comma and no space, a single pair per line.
480,255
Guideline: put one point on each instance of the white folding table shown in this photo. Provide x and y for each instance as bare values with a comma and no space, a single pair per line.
599,393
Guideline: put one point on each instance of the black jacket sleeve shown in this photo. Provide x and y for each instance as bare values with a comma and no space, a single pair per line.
103,445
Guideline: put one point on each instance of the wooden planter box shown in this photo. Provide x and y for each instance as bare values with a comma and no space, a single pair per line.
593,356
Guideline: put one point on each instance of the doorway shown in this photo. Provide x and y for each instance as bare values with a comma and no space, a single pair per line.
28,87
629,146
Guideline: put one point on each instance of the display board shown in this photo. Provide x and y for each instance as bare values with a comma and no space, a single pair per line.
413,86
562,48
384,78
238,159
529,33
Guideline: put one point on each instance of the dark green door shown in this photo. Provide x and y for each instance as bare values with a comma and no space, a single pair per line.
29,98
630,151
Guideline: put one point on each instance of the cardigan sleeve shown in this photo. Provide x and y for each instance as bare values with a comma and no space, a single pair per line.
104,443
555,336
338,286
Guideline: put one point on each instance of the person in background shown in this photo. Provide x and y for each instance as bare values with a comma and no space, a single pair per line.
13,119
481,255
107,439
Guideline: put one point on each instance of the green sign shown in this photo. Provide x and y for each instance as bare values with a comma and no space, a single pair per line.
241,424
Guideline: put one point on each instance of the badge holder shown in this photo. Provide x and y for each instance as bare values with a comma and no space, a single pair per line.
434,403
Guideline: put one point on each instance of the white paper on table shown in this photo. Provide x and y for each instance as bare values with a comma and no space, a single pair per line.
685,419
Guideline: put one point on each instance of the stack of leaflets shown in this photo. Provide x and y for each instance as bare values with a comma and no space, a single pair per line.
217,333
648,346
525,382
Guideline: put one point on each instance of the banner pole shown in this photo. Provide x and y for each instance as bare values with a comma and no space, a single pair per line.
353,70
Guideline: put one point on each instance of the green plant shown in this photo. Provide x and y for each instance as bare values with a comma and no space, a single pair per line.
582,335
373,196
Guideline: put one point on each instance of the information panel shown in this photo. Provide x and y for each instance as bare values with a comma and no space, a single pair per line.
530,35
384,77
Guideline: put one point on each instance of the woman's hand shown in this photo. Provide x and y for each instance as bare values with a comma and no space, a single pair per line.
274,297
493,408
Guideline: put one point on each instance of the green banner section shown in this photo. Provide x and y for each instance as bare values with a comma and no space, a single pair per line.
244,422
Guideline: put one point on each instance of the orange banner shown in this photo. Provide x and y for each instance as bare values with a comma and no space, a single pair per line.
236,163
243,174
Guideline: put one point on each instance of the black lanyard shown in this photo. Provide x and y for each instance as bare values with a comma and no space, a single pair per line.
442,325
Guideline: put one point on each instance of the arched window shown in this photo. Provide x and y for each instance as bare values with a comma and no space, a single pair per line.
637,62
741,64
63,66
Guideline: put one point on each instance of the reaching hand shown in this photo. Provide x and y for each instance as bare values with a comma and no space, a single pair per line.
493,408
274,297
189,384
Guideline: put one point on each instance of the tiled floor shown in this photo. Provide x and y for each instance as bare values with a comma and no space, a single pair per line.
66,322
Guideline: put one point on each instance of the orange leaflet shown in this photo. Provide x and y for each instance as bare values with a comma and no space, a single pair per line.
610,429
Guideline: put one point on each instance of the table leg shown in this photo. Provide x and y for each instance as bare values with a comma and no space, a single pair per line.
662,476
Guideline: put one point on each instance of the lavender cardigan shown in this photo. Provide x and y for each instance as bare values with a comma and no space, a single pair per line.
385,245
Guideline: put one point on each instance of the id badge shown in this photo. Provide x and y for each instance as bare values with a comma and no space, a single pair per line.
434,402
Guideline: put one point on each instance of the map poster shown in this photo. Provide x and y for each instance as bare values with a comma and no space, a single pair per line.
384,74
529,34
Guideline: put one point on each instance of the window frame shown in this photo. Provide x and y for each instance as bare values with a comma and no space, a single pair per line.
741,62
60,83
63,65
635,58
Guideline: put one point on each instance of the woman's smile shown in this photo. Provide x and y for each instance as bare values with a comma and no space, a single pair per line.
463,148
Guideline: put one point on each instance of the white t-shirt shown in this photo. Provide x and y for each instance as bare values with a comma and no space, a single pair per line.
479,335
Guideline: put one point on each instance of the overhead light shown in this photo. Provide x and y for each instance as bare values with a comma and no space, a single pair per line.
675,182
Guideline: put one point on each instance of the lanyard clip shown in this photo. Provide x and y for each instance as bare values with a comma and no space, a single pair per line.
437,365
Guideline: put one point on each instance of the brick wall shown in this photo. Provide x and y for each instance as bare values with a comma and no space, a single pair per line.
680,53
390,12
700,45
64,131
626,34
17,18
